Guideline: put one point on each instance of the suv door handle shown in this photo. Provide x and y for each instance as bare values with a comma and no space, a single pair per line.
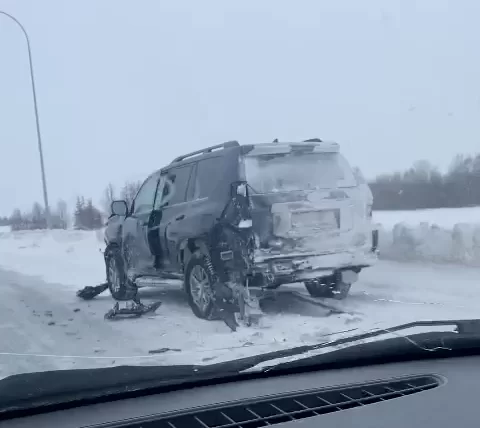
180,217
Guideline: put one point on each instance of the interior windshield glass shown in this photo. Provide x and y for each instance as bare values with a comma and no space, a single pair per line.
297,171
314,173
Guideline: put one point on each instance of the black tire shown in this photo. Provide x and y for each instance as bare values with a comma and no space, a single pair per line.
341,290
197,266
317,288
328,287
124,289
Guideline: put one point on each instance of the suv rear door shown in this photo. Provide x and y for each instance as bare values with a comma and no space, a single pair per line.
173,210
191,211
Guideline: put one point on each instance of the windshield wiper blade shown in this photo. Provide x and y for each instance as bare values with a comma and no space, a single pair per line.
469,326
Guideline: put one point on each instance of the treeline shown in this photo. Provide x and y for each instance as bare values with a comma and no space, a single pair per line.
36,218
86,215
424,186
127,193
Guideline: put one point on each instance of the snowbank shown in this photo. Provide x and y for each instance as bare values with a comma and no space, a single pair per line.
69,257
443,217
72,257
431,243
445,235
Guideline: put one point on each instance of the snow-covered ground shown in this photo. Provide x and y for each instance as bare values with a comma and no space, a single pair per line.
43,325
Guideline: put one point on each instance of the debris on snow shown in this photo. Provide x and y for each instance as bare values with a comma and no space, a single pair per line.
163,350
133,309
89,292
206,359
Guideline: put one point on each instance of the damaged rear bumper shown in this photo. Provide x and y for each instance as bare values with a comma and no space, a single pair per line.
282,269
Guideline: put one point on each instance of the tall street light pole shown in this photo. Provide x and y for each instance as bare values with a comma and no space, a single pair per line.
39,137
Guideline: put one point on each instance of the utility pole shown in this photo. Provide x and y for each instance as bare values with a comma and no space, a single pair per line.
37,120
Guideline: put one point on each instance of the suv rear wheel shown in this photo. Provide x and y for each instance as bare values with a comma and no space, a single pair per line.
121,288
198,285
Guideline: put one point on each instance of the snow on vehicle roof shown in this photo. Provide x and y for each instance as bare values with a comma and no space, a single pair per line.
287,147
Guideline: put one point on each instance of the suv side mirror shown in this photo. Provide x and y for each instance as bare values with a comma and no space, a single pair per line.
119,208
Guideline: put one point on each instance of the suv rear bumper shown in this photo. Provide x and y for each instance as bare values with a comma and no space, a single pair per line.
280,269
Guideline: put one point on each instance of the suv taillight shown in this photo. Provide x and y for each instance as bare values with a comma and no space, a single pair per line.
374,240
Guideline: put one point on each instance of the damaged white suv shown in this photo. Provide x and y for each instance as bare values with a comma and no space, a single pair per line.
312,216
233,218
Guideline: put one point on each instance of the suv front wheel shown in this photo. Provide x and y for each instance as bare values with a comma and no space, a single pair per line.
121,288
198,285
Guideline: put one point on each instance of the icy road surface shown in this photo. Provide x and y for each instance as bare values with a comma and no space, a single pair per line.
44,326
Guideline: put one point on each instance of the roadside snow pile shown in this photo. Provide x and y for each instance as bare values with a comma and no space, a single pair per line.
73,257
70,257
443,217
431,243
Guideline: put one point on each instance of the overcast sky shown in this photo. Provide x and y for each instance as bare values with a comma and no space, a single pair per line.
124,86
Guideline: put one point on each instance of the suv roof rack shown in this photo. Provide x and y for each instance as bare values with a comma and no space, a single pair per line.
226,145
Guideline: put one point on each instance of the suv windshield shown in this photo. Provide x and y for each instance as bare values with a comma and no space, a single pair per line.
232,178
287,172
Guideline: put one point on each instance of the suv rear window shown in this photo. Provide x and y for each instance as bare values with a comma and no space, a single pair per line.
287,172
207,171
179,177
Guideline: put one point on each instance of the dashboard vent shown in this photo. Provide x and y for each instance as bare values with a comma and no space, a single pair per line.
287,408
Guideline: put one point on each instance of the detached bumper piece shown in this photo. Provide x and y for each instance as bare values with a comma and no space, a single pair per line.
131,310
89,292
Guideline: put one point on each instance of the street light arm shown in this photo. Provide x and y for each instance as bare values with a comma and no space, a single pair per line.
37,119
18,23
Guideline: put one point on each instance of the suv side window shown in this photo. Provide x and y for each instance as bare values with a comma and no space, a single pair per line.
179,177
164,190
143,202
207,173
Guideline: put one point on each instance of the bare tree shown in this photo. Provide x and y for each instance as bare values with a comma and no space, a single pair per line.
129,190
108,198
62,213
16,219
38,218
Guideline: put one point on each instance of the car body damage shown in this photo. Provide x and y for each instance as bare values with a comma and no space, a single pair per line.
230,219
308,224
321,230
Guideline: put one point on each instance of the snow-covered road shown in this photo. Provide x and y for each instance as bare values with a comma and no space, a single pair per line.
44,326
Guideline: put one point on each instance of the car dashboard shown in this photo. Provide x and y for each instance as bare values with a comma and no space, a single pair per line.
434,392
